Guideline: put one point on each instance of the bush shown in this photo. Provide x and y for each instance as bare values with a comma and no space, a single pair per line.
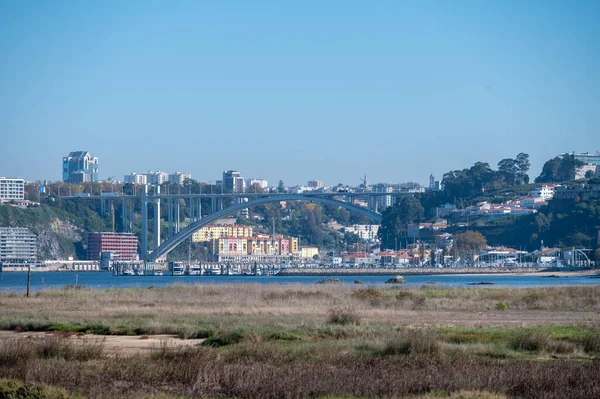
529,341
501,306
368,294
224,338
402,295
420,342
12,389
591,342
343,316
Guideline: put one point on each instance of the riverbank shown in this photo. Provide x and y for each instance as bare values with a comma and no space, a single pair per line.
412,271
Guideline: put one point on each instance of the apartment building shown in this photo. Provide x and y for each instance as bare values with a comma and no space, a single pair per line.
18,246
11,189
122,245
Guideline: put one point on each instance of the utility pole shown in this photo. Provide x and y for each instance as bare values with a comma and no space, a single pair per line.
28,279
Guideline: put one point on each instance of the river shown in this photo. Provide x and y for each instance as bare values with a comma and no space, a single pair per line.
17,282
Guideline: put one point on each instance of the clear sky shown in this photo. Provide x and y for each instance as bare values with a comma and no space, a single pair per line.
296,90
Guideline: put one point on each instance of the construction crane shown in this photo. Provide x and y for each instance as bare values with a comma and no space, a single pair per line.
110,179
365,181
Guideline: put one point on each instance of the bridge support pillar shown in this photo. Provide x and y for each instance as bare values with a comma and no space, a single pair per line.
144,198
157,218
170,216
177,216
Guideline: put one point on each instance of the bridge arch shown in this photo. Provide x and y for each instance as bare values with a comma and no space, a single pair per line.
172,242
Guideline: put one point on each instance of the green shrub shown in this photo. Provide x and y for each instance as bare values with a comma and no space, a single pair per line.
591,342
224,338
501,306
416,342
343,316
530,341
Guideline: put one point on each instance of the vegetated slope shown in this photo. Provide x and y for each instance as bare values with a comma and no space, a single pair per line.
61,232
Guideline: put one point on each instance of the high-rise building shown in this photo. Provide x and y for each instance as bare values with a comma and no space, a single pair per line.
234,181
80,167
156,178
586,157
315,183
135,178
123,245
384,201
179,177
11,189
18,246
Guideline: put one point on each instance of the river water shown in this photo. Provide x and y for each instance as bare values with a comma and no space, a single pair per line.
17,282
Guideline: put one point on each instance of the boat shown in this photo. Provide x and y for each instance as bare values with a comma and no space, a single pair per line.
157,273
128,272
212,271
139,272
178,270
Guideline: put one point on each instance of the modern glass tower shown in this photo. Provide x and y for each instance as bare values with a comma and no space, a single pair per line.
80,167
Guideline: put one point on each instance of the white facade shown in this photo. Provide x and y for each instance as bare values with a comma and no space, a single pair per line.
364,231
545,191
135,178
315,183
11,189
383,202
261,182
18,246
179,177
156,178
582,170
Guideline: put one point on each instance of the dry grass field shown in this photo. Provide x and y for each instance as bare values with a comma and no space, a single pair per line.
301,341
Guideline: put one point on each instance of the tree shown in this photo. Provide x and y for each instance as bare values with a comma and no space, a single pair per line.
280,187
589,174
256,188
509,169
523,165
558,169
469,242
396,219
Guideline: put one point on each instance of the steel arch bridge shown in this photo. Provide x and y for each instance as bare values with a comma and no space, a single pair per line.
168,245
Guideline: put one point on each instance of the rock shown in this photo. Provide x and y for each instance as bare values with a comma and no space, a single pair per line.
330,281
396,280
358,282
482,283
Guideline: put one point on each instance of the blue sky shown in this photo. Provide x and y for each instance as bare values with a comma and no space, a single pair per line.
296,90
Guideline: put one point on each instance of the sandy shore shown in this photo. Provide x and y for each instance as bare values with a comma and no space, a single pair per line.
113,344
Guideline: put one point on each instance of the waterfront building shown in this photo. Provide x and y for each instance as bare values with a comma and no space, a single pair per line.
179,177
123,245
80,167
383,202
209,233
18,246
135,178
11,189
156,178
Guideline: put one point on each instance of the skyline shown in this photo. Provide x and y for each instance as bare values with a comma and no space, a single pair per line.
296,91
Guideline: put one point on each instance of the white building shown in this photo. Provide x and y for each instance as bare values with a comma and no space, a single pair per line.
156,178
135,178
18,246
179,177
261,182
11,189
581,171
384,201
545,191
315,183
364,231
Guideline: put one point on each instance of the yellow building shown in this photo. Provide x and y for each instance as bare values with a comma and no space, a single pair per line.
209,233
229,246
308,252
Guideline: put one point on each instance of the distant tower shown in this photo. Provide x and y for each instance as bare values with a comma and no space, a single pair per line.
431,181
365,182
